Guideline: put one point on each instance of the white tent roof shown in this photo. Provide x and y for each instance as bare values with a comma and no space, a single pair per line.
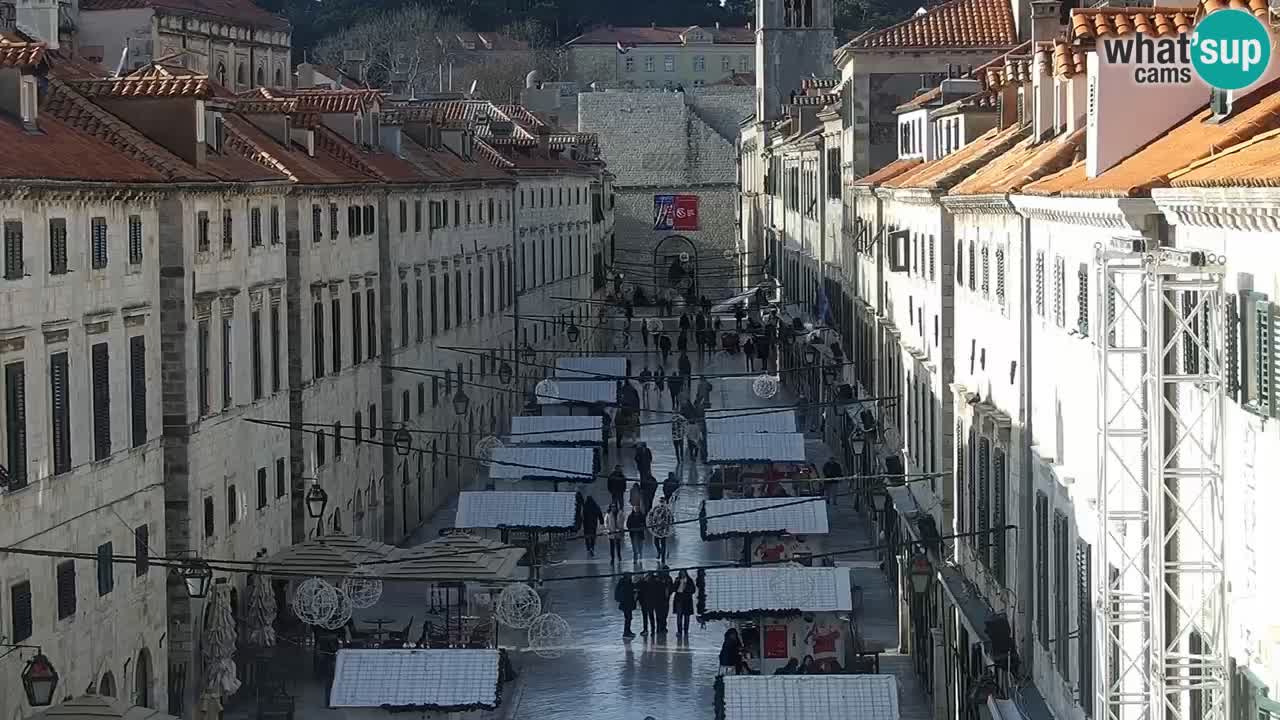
730,422
591,368
739,516
584,391
496,509
755,447
757,590
810,697
439,679
555,429
542,462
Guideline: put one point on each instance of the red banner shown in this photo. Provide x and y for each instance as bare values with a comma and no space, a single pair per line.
775,641
686,213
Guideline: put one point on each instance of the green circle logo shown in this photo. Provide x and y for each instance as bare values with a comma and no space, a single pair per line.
1230,49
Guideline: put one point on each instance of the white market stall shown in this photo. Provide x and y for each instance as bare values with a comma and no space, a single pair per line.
462,681
771,529
807,697
761,464
541,462
783,613
584,430
533,520
721,422
576,397
593,368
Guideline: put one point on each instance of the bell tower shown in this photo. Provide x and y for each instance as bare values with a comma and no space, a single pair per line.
795,39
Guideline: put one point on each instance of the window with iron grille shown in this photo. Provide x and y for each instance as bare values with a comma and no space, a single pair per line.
66,584
57,246
357,332
228,230
226,361
21,620
1000,273
371,309
138,390
984,500
106,570
209,526
317,339
337,440
418,325
1082,299
60,416
15,415
281,485
275,224
1059,291
13,250
98,242
275,348
202,230
973,265
233,505
998,540
317,231
135,239
1084,625
255,227
141,550
1039,282
1062,546
986,271
202,366
1042,568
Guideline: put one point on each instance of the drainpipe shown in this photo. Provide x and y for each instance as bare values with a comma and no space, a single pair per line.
1026,499
516,261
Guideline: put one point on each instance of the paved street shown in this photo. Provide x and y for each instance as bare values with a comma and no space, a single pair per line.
602,676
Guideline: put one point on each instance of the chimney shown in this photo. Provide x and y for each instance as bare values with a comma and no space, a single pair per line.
1046,21
717,25
174,123
544,140
653,25
39,19
18,96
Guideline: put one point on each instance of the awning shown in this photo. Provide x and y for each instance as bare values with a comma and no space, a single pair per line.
604,392
744,516
541,462
97,707
772,590
519,510
455,558
556,430
454,680
336,555
726,307
737,422
731,448
592,368
807,697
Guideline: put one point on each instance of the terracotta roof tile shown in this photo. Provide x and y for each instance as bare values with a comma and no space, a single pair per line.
955,24
1192,140
631,36
945,172
1257,7
18,52
493,156
1092,23
293,158
443,165
818,83
982,101
924,99
1026,162
252,106
61,152
738,79
151,81
1068,61
1254,163
892,170
244,12
321,100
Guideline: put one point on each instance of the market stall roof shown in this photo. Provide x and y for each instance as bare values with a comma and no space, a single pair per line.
581,391
773,590
329,555
456,557
97,707
454,680
518,510
592,368
557,429
738,422
726,307
540,462
737,517
728,448
807,697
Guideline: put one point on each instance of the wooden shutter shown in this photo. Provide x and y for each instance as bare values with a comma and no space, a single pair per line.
1264,357
262,487
135,239
61,419
138,389
141,550
962,483
335,321
317,339
20,611
13,250
984,500
15,412
106,571
66,584
255,352
57,246
371,308
1231,345
281,487
357,334
999,483
275,348
1084,625
101,376
1042,567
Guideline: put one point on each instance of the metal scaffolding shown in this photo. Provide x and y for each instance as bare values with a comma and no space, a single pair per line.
1161,531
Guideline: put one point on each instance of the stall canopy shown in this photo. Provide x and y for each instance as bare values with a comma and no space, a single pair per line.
535,462
604,392
807,697
724,449
516,510
556,430
729,422
591,368
329,555
745,592
453,680
763,516
97,707
455,558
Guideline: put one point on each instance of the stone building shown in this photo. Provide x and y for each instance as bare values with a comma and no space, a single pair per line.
660,57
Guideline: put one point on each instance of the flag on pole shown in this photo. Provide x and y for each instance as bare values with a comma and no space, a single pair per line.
623,49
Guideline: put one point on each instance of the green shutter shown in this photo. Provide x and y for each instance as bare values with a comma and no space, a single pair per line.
1264,357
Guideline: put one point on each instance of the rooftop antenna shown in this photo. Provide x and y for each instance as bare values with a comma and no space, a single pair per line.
472,91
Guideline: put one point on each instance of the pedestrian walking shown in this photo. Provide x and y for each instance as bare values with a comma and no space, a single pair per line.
739,314
646,387
697,448
682,600
731,653
660,543
613,523
606,426
645,592
686,366
635,527
831,469
682,342
648,489
660,380
677,436
625,595
716,324
644,334
592,518
675,384
704,393
664,347
670,486
577,510
617,484
644,460
662,596
685,323
749,353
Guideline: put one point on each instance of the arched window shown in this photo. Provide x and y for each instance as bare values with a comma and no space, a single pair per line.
222,74
261,77
279,77
142,679
242,75
107,686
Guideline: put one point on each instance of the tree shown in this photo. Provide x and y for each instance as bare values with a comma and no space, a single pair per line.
397,46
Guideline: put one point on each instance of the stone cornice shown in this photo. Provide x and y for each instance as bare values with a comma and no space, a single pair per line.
979,204
1128,214
909,196
1251,209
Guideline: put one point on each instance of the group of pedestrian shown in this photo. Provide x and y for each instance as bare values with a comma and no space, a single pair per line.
657,595
634,522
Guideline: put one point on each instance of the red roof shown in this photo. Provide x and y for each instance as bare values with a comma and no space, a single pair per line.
321,100
151,81
955,24
17,52
60,152
243,12
660,36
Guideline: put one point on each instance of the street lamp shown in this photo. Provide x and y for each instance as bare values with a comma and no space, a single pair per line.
316,501
811,355
879,499
505,373
921,573
461,403
527,353
39,681
572,333
403,441
197,575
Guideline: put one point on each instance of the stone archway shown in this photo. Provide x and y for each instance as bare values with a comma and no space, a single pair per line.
142,680
675,267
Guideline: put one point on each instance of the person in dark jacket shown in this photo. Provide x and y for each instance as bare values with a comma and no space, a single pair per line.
684,322
635,527
682,590
731,653
664,347
606,424
662,600
645,593
686,366
617,484
749,353
660,380
670,485
625,595
739,314
682,342
577,510
831,469
648,489
644,461
592,517
675,383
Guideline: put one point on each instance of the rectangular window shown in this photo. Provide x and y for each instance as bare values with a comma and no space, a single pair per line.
98,242
984,500
1082,299
371,308
13,250
208,517
480,294
262,488
335,323
135,239
457,297
1062,545
228,228
226,361
1039,283
275,348
448,317
405,408
106,572
699,63
15,415
357,333
417,216
333,221
138,390
1084,624
281,486
20,611
59,398
353,221
490,211
404,216
359,427
457,213
66,584
648,63
233,505
373,420
141,550
255,352
431,286
275,224
202,230
255,227
417,306
317,339
1042,567
422,398
368,220
1059,291
404,314
316,229
630,64
999,482
337,440
57,246
202,366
